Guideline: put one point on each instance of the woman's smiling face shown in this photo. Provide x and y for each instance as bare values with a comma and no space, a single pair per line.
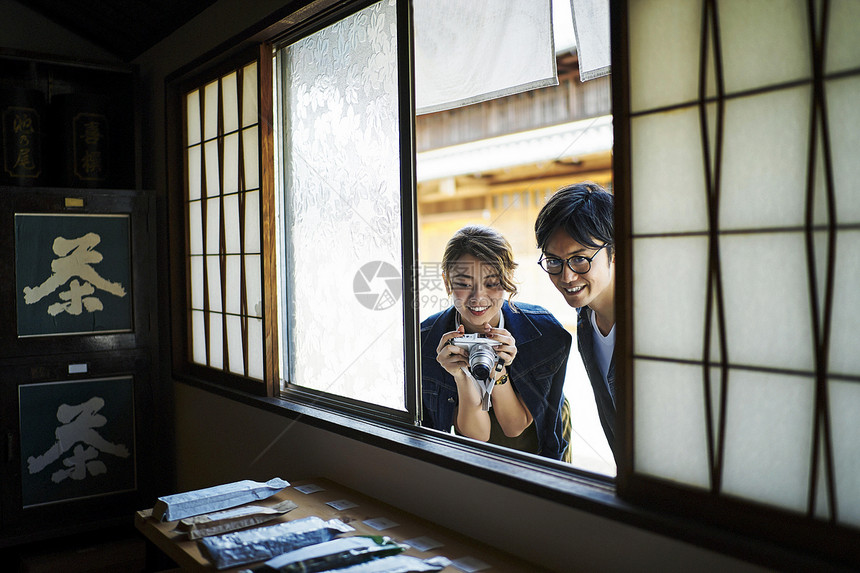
478,292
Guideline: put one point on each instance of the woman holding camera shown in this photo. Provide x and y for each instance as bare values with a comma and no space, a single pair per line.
519,403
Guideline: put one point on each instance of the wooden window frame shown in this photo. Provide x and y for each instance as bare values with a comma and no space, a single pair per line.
408,262
745,530
177,86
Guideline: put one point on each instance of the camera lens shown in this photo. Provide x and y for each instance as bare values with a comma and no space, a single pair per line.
481,360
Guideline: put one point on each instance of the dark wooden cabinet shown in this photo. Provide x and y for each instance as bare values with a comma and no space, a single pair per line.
67,123
78,383
58,239
82,412
76,450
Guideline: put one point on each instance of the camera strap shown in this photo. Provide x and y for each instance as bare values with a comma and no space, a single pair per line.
485,387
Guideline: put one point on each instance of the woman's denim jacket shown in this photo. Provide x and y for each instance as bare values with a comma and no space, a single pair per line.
537,373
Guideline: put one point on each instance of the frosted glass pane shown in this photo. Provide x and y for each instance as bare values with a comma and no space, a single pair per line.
210,110
765,42
669,296
195,227
765,159
844,412
844,124
230,104
213,226
233,284
765,285
213,276
196,279
198,337
192,116
668,173
213,169
216,340
250,141
669,426
664,52
231,163
232,244
194,170
235,351
255,348
254,285
845,329
843,49
769,438
342,160
252,222
249,95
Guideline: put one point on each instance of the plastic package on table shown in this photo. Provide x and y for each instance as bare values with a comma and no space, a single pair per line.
263,543
206,500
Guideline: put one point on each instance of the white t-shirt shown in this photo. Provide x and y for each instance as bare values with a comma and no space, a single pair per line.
603,347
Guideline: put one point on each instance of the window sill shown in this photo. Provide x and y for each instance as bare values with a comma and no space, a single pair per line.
553,481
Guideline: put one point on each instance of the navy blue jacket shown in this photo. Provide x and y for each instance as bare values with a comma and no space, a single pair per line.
537,373
604,391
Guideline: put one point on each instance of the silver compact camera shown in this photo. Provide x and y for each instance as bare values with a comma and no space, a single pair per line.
482,357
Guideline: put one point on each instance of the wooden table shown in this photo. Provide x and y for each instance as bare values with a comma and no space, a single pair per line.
187,555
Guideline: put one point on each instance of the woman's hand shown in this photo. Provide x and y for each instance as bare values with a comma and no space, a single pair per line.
511,412
507,350
452,358
469,419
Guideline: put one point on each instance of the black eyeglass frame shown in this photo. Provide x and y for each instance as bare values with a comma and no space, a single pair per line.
567,262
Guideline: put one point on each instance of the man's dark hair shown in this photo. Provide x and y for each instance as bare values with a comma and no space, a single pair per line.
583,210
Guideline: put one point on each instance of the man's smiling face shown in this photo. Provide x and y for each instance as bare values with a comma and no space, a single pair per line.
588,289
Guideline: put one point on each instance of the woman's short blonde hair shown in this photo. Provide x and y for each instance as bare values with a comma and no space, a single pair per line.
488,246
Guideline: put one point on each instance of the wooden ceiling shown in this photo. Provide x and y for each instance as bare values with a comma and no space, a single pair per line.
126,28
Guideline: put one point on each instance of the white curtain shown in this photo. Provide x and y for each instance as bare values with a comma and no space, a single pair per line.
591,26
469,51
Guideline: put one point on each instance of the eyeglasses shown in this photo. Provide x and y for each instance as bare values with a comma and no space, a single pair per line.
577,263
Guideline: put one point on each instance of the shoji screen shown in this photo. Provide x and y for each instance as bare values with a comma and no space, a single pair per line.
224,239
744,133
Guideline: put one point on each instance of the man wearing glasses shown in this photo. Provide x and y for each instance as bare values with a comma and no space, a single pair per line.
574,232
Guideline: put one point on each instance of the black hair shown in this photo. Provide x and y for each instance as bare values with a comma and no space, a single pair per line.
584,210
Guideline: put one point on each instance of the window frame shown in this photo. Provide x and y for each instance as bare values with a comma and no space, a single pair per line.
306,403
768,537
408,220
177,85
